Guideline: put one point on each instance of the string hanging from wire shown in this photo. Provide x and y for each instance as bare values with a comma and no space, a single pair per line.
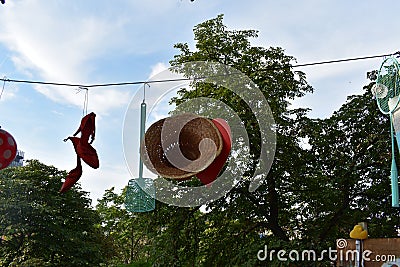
188,79
4,84
85,101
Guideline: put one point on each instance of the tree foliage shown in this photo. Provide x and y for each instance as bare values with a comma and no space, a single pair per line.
327,175
125,234
352,152
269,209
41,227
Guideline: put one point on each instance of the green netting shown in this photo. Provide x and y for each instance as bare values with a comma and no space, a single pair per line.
387,89
140,195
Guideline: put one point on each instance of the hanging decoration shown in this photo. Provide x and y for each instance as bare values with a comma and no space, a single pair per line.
140,193
4,84
386,90
211,172
8,148
187,145
83,150
73,176
82,147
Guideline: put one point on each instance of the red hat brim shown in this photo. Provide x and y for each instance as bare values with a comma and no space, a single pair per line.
211,173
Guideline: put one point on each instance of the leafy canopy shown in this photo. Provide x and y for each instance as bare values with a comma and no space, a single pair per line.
41,227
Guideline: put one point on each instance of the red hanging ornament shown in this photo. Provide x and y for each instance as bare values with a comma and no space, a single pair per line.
87,128
83,150
8,148
211,173
72,177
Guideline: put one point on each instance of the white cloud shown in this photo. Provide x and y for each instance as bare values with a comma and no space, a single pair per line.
157,68
60,50
68,42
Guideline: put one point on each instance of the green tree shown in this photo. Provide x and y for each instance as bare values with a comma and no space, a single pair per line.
351,154
41,227
327,174
314,193
242,214
126,235
229,233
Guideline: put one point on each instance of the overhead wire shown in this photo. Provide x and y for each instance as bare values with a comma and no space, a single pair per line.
188,79
343,60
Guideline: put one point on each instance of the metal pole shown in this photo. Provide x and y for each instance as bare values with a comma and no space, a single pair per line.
142,127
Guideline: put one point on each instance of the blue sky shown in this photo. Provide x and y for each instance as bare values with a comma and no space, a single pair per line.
88,42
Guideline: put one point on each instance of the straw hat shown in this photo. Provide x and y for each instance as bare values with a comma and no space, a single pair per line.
180,146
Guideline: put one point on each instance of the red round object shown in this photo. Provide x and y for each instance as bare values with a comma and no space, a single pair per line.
211,173
8,149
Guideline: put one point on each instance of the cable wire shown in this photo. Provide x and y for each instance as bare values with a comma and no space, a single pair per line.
343,60
188,79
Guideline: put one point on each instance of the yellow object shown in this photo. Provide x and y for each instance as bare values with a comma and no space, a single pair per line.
358,232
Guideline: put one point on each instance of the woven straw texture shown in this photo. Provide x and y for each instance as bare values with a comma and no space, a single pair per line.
195,138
